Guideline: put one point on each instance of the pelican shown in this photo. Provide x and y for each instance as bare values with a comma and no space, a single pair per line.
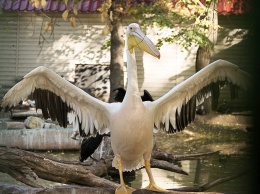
131,122
90,144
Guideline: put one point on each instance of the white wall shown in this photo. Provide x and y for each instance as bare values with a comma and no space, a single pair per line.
22,49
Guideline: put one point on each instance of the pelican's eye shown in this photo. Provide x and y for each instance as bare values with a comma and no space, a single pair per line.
132,29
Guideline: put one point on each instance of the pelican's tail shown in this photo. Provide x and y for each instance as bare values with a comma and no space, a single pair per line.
129,165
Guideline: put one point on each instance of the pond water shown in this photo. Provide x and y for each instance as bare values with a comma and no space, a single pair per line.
200,172
232,140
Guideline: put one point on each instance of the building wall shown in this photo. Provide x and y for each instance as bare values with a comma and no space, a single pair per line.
24,45
235,44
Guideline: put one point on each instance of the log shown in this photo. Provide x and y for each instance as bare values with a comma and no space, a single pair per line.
107,164
143,191
67,189
167,166
173,158
31,166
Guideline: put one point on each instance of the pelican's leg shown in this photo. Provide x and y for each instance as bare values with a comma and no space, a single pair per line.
123,188
152,185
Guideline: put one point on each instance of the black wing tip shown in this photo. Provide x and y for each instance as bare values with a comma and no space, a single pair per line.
147,96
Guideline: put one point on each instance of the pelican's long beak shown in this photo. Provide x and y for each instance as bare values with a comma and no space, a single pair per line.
139,40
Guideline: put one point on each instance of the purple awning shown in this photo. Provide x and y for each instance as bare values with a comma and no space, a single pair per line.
89,6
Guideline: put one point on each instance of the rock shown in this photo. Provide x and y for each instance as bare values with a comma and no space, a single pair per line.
34,122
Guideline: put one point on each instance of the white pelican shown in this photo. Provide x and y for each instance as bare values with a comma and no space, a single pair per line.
131,122
90,144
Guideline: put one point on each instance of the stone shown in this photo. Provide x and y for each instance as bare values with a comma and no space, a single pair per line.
32,122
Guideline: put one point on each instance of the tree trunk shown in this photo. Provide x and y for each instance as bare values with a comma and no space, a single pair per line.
202,60
203,57
116,51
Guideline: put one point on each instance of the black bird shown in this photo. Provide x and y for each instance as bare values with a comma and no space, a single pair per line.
90,144
121,94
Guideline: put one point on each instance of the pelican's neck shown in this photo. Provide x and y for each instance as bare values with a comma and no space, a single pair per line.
132,91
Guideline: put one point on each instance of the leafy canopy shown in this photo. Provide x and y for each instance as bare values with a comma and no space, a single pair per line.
187,20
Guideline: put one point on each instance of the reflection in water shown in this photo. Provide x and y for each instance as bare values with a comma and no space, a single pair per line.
166,179
162,177
200,172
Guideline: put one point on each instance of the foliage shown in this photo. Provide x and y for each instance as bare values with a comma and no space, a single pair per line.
187,19
106,45
186,37
71,12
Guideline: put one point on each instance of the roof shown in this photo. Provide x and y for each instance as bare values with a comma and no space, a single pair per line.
90,6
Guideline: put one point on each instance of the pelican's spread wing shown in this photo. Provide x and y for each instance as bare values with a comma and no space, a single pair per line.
56,97
176,109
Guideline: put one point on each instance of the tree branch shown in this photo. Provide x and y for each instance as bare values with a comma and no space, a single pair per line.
173,158
38,166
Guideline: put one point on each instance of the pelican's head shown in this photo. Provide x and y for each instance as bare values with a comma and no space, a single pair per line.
136,38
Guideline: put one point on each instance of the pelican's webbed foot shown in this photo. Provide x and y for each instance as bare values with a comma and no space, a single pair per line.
124,189
154,187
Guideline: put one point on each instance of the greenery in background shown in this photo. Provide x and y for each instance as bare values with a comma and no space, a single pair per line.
187,19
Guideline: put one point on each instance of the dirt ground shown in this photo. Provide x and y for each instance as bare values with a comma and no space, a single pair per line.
229,133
